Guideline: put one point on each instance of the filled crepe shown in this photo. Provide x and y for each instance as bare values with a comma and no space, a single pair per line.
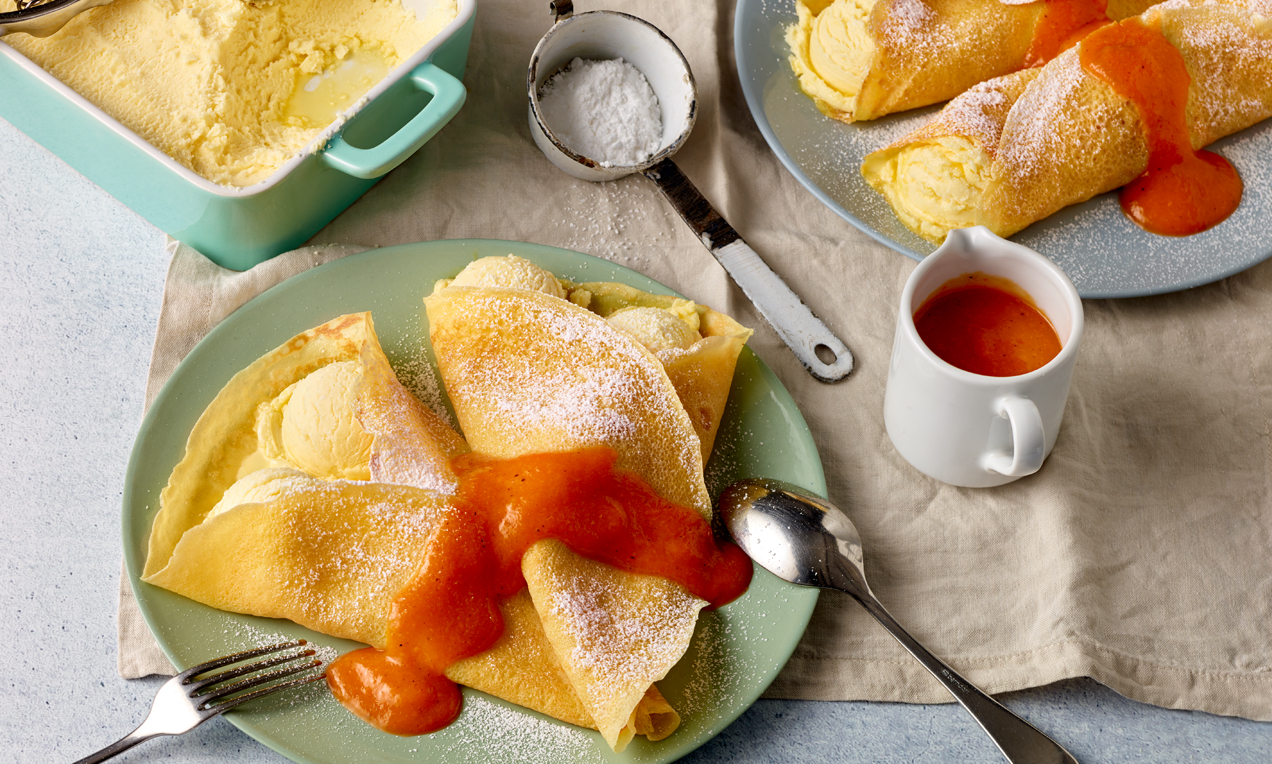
263,516
1016,149
531,372
862,59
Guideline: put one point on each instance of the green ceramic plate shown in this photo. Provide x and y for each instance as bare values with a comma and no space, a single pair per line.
736,652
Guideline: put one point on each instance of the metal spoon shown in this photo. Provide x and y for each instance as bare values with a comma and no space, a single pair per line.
801,538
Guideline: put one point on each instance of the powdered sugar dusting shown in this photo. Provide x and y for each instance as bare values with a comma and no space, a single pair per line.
912,26
504,735
971,113
309,704
602,387
418,375
596,218
624,650
1219,102
1040,131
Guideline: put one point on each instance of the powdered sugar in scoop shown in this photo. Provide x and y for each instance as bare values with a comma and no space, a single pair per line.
603,110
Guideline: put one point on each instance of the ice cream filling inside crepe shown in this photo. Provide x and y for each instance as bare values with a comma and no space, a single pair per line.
697,346
291,408
862,59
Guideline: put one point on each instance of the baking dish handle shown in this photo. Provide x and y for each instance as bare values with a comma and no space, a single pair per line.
448,95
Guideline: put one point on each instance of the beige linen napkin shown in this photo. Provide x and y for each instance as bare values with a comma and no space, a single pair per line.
1138,555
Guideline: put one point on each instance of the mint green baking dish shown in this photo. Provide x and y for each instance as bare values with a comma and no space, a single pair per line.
238,228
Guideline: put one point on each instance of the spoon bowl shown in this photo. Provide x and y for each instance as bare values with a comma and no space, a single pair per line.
805,540
792,534
41,19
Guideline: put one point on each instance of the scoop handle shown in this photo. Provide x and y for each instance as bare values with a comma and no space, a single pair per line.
44,20
803,332
1019,741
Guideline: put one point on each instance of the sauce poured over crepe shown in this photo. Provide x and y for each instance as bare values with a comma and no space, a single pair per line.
530,373
314,546
558,504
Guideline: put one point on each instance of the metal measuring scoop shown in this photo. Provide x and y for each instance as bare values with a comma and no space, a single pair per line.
41,19
802,539
606,35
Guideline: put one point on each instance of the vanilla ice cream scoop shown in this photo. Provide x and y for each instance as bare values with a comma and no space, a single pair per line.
655,328
259,487
838,54
511,271
312,425
934,186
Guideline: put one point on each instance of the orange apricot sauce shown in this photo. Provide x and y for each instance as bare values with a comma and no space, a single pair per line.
1183,191
1062,25
986,325
450,609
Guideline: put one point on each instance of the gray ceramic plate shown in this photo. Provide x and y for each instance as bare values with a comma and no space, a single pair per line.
736,652
1104,253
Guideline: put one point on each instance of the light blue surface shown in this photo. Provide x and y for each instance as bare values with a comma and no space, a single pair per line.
79,299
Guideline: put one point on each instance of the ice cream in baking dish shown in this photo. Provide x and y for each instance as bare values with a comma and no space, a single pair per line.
230,88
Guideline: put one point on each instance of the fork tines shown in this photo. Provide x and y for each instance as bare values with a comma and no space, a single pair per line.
222,697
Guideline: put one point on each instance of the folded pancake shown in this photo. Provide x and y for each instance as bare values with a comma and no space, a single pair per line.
290,408
522,667
622,632
263,516
862,59
529,372
412,444
698,346
327,554
1016,149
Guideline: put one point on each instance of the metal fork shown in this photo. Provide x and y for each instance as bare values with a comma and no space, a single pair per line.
186,701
